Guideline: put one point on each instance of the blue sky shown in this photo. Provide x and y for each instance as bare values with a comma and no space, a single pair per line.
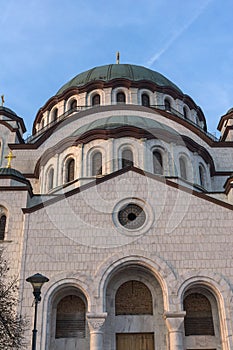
44,43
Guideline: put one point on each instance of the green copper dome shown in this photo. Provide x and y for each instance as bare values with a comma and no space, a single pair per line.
229,111
11,172
8,110
118,71
113,122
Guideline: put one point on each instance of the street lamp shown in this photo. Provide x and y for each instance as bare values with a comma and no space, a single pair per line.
37,282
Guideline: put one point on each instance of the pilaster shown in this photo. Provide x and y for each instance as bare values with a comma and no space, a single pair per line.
175,325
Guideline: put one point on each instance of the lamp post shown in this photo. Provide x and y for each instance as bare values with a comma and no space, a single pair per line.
37,282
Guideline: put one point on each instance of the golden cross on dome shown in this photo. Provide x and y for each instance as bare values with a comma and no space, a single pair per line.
3,100
9,159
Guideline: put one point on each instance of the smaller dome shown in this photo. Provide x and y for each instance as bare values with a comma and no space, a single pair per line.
7,110
230,110
9,115
11,172
113,122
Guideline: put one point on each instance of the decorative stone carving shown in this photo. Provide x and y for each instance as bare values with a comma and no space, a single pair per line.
96,321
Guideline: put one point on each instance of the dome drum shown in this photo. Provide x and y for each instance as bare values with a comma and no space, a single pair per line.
106,81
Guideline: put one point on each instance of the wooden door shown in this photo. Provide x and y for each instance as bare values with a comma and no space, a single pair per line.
135,341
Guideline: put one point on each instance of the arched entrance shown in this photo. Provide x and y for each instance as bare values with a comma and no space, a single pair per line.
134,304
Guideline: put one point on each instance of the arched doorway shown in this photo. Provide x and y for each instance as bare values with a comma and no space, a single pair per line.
134,304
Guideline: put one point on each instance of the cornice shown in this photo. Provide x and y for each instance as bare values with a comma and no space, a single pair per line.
124,107
122,171
125,131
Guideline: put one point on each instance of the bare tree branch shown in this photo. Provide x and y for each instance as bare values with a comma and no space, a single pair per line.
12,326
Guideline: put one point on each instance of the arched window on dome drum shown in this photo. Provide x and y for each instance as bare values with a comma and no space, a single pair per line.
183,170
70,170
198,319
96,100
202,175
167,105
120,97
70,318
133,298
54,114
127,158
145,100
97,164
2,226
185,114
73,104
157,163
50,179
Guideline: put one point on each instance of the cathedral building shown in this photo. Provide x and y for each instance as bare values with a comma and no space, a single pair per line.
123,200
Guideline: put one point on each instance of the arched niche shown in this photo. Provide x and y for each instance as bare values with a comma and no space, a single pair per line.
68,328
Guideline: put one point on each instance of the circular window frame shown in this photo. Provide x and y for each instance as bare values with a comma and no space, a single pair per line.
149,216
131,216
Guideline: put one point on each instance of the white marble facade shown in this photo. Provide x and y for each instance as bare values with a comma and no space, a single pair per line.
110,195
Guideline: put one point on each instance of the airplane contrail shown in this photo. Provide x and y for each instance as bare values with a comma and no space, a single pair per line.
176,35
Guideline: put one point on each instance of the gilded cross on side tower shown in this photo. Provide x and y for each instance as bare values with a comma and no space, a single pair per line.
9,159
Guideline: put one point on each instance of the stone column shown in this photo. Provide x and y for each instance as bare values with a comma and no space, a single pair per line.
175,325
96,323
